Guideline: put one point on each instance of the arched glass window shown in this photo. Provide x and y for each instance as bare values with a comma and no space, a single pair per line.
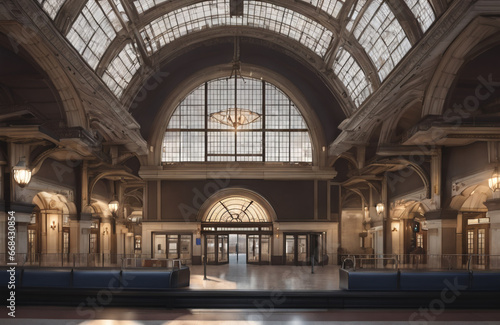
237,209
246,120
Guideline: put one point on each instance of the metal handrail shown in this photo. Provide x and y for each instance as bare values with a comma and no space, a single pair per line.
467,262
352,259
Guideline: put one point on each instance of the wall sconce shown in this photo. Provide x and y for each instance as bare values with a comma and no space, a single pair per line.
53,226
394,229
22,174
113,206
494,181
380,208
276,230
105,232
198,232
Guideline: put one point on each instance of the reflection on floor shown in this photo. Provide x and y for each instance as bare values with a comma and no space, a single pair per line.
130,316
264,277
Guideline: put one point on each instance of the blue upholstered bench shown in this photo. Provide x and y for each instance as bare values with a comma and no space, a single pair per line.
433,280
96,279
146,279
485,281
368,280
46,278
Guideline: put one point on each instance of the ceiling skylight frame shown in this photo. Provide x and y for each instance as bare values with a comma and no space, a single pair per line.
352,76
382,36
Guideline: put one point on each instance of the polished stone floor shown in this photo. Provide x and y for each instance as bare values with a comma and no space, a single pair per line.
239,275
133,316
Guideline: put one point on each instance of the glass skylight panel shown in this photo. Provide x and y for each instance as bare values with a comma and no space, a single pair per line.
180,22
93,31
289,23
144,5
354,13
331,7
51,7
354,78
283,138
121,70
423,11
382,37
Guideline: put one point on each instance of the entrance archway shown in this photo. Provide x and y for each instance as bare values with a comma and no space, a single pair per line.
234,223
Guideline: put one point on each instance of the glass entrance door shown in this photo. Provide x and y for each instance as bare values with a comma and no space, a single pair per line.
223,249
210,248
265,249
253,254
290,249
302,249
297,249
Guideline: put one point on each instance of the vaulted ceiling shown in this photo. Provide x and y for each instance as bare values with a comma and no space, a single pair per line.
112,65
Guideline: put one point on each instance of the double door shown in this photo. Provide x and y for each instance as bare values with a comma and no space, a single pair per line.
300,249
258,249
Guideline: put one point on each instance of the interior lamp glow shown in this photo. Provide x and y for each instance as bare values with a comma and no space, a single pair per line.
380,208
113,206
494,181
22,174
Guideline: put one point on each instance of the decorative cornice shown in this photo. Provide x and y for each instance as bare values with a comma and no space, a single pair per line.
493,205
236,172
441,215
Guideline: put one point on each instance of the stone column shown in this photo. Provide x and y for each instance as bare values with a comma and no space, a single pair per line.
494,240
441,238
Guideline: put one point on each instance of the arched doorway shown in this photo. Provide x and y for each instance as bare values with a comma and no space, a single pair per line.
237,227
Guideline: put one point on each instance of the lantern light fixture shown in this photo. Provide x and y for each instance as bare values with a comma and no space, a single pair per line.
21,172
380,208
494,181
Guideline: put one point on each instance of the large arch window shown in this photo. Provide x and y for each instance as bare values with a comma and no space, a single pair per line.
271,127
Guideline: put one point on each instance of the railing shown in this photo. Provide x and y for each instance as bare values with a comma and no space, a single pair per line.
469,262
89,260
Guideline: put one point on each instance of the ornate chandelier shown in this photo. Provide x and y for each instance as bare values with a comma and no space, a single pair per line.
235,116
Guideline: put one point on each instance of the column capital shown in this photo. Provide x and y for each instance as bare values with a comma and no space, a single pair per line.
493,204
441,214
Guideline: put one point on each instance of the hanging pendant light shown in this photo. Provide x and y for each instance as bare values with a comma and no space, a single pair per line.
235,116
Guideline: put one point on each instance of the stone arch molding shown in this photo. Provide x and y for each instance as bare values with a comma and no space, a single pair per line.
474,39
52,201
236,191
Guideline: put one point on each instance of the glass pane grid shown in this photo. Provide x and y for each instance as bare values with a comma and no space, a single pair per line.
237,209
352,76
51,7
121,70
93,31
422,10
180,22
284,126
380,34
